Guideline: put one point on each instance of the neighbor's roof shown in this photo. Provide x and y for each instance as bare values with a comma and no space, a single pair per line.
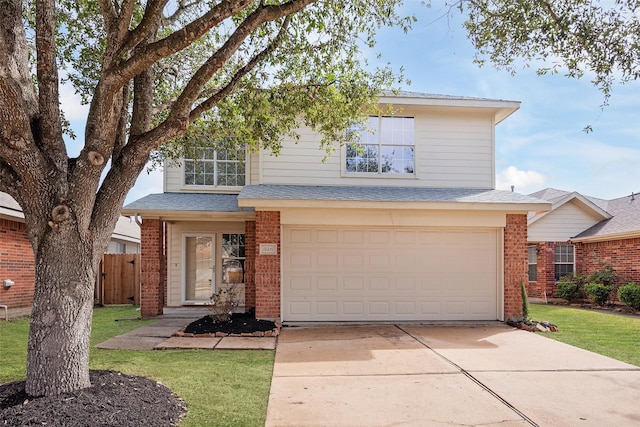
401,197
624,223
124,230
9,207
622,218
192,205
559,198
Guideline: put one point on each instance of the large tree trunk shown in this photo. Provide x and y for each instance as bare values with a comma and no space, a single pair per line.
58,356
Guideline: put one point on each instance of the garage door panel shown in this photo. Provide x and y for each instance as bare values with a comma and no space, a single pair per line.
389,274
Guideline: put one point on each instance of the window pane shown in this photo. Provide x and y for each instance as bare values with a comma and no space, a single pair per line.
389,150
533,272
227,164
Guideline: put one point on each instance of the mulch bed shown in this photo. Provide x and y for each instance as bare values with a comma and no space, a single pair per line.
114,399
240,323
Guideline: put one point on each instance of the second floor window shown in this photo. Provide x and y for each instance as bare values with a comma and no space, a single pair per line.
386,146
217,168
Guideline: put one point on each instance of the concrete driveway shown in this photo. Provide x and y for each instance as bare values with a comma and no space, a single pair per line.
408,375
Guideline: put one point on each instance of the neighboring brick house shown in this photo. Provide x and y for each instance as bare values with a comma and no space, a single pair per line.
580,233
16,254
409,227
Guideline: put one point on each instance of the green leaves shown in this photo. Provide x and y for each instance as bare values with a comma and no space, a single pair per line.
578,37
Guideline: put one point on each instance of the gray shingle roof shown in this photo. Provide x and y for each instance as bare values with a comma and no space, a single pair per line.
196,202
625,213
626,218
8,202
382,194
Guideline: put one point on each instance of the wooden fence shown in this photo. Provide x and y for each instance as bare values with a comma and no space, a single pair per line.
119,280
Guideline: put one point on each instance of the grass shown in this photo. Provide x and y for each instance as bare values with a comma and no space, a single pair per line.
600,332
222,388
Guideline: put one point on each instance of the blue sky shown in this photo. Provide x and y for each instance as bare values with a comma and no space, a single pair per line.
541,145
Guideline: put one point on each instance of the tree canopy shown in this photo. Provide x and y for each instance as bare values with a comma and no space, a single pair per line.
597,39
156,75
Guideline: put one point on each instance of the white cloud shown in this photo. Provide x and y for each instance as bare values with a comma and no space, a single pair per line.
523,181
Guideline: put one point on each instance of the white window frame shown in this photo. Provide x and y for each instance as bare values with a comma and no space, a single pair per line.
216,165
564,262
374,134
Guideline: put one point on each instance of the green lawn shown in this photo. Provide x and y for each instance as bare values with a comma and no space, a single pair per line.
222,388
601,332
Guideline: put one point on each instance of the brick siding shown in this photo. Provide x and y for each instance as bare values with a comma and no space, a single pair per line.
515,264
153,268
267,278
17,264
622,254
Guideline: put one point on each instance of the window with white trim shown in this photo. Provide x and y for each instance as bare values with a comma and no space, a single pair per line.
532,256
563,261
385,145
216,167
233,258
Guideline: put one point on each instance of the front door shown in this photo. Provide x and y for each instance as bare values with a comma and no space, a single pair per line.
199,268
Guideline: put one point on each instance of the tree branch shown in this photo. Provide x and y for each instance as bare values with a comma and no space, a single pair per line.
173,43
148,25
189,95
109,13
14,55
237,77
50,128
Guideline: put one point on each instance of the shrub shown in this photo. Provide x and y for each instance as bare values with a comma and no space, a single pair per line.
607,275
223,303
629,294
525,301
597,292
568,291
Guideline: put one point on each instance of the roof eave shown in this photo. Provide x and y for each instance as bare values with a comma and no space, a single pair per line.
502,108
605,237
167,215
276,204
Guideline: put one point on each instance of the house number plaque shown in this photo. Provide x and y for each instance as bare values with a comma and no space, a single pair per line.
268,249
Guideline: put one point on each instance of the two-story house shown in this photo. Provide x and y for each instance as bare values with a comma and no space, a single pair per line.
407,226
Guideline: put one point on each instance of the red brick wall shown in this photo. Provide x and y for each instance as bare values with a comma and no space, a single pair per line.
515,264
267,266
250,265
17,264
153,268
623,255
546,270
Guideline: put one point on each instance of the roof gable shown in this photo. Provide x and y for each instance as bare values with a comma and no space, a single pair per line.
620,217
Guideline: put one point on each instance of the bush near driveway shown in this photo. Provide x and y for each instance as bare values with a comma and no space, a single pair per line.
613,335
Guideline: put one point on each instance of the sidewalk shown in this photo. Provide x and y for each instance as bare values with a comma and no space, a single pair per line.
159,336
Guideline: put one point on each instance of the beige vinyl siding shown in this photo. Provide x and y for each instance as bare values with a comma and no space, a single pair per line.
452,150
561,224
174,256
172,178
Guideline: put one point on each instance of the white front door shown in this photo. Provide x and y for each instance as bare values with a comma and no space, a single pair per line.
199,267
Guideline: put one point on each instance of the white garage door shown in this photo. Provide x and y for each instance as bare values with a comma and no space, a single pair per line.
332,273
